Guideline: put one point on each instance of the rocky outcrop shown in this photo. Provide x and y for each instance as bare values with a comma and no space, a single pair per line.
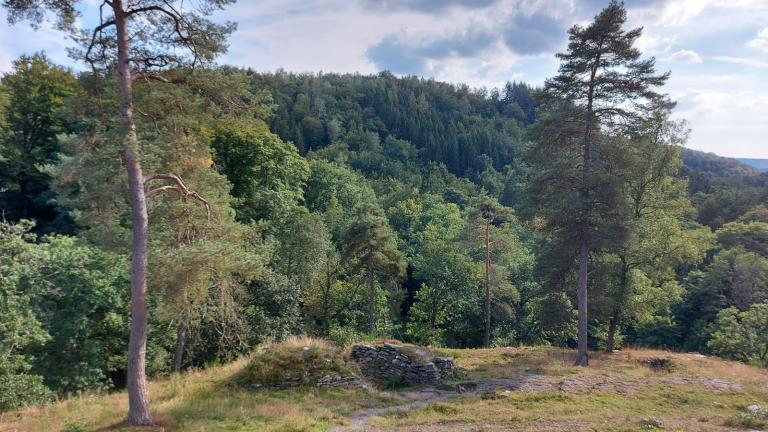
391,362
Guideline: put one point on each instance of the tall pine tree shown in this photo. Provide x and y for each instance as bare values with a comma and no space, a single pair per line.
602,86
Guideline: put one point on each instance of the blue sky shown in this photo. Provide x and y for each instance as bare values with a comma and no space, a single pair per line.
717,50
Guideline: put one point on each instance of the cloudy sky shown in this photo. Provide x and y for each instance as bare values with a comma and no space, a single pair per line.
717,50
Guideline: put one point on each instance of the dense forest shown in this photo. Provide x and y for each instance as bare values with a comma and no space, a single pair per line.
352,207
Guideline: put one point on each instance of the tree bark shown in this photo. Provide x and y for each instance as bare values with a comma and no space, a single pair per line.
181,339
611,339
487,333
371,304
582,358
138,391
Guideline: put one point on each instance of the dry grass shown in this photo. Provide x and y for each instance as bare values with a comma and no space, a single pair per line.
297,361
203,401
206,400
643,393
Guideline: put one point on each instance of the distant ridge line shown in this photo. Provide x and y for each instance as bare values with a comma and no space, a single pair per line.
759,164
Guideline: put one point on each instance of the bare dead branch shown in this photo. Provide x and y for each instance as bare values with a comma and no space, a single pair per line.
181,188
146,76
156,191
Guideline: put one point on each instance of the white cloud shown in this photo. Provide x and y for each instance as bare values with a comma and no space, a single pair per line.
761,41
741,61
717,75
685,56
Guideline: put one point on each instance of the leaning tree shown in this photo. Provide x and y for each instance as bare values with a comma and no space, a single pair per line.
602,86
138,39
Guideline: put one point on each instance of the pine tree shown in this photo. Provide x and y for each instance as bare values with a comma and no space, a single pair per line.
139,39
602,85
370,244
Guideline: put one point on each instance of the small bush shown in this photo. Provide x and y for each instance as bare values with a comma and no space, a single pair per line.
297,361
746,421
754,417
442,408
660,364
75,426
22,389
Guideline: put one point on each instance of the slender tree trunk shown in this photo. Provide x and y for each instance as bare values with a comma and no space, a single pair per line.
326,303
138,391
371,304
582,358
181,339
487,333
610,341
613,324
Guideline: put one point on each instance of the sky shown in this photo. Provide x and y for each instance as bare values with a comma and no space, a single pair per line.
717,50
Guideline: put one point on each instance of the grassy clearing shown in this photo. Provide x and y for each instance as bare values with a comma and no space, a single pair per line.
208,401
646,396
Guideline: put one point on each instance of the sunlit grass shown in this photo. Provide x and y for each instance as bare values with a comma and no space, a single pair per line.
207,400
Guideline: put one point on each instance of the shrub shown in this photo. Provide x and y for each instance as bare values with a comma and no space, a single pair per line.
22,389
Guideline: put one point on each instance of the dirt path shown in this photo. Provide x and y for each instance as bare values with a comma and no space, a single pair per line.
526,383
418,399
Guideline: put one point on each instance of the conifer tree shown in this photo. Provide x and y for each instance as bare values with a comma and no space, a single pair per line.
139,39
370,244
602,86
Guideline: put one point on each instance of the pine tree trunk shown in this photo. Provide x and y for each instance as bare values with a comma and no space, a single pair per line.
181,339
582,358
610,341
138,391
371,304
487,333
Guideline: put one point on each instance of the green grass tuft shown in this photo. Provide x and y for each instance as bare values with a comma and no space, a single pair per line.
295,362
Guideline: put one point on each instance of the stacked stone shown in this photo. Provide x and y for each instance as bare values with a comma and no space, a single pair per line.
445,366
387,363
338,381
425,374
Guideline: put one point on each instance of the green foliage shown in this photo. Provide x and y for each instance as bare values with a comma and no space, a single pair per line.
446,123
65,305
448,298
734,278
742,335
374,224
34,114
752,236
20,329
370,248
267,174
82,305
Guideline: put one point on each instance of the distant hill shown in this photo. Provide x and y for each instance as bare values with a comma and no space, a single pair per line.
447,123
708,170
722,188
760,164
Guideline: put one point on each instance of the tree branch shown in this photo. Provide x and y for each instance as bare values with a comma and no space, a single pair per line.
181,188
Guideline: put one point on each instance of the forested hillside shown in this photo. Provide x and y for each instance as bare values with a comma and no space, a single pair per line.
759,164
351,207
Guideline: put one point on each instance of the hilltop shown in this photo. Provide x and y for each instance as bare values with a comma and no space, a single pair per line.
526,388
